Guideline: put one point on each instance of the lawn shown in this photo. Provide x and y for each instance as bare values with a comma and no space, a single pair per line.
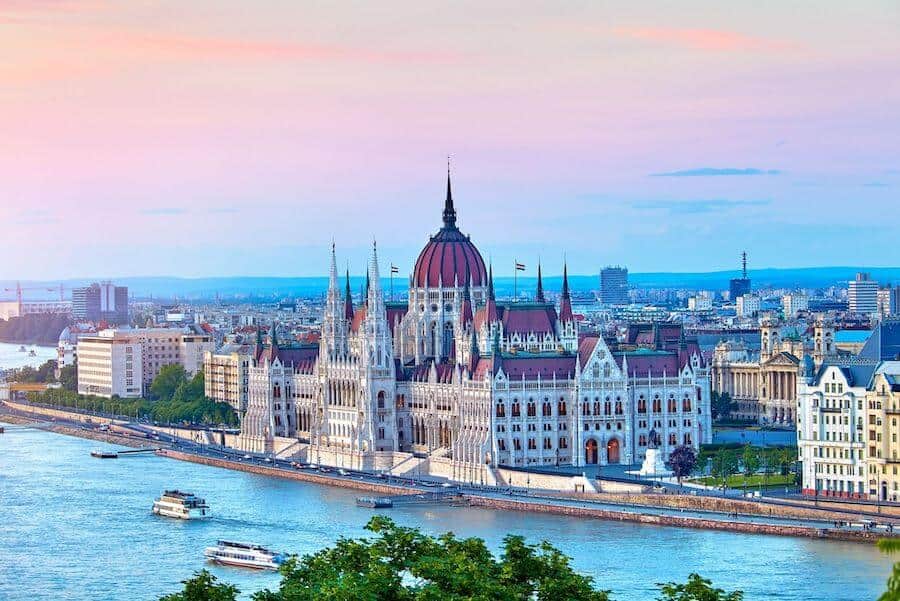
754,481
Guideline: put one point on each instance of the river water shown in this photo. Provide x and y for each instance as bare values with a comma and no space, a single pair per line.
75,527
11,356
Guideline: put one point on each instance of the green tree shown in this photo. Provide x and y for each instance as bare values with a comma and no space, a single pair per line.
724,464
696,589
401,564
68,377
166,383
750,459
203,587
891,546
682,460
722,405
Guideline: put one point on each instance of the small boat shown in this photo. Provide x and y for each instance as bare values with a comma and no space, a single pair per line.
31,353
181,505
104,454
244,555
21,349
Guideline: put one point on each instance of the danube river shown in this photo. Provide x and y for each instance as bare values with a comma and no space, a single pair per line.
74,527
11,356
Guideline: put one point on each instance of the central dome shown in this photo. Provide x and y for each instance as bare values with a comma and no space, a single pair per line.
449,258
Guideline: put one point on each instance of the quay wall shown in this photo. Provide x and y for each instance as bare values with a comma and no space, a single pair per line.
676,521
303,475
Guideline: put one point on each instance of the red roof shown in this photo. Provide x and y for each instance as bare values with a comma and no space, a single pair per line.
449,259
639,364
562,367
524,319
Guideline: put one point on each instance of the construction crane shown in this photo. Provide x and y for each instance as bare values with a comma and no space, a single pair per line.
19,289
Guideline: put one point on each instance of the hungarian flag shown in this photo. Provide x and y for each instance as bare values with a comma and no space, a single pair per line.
520,266
394,269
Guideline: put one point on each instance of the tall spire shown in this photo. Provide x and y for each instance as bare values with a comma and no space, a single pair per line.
490,290
565,300
273,336
348,300
449,211
466,310
539,295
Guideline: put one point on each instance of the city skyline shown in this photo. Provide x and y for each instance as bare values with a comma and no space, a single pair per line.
255,140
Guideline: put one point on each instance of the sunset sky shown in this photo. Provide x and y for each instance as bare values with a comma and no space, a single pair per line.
239,138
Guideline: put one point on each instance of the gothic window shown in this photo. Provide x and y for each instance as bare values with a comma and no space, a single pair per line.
381,400
607,370
657,405
501,409
516,410
532,409
673,406
596,371
517,444
547,410
448,339
276,391
619,408
563,443
686,404
672,439
607,408
501,444
561,407
532,444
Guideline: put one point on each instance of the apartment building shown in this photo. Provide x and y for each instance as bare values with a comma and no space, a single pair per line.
226,374
110,364
110,372
883,405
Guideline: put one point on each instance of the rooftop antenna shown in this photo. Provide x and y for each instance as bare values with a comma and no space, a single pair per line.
744,264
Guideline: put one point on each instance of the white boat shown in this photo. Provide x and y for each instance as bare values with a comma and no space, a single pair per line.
244,555
181,505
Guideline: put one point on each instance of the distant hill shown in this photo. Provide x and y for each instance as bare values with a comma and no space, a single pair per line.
310,287
42,329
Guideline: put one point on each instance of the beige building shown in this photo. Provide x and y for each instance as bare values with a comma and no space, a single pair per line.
747,305
794,303
107,370
110,364
882,430
764,385
850,420
226,375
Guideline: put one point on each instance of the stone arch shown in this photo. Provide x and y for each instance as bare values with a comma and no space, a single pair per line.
613,451
591,454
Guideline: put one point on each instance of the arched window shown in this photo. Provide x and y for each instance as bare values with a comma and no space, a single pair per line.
381,399
686,404
547,410
516,410
561,407
501,408
657,405
532,409
448,340
606,370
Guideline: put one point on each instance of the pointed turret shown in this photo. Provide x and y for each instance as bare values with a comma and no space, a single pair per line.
474,353
495,347
273,336
465,311
334,322
490,307
348,300
657,338
366,289
539,295
449,211
565,300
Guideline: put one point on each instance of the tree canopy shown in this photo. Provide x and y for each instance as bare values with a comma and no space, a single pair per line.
402,564
682,460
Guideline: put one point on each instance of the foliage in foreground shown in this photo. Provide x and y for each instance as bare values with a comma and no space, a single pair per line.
891,545
402,564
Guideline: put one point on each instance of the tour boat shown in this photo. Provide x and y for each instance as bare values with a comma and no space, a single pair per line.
244,555
181,505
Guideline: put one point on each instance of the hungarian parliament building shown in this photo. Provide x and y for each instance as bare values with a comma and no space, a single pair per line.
457,383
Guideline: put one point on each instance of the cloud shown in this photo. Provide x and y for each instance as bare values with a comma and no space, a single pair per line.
876,185
715,40
164,211
713,171
692,207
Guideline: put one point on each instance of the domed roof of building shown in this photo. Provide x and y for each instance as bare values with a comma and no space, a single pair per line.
450,257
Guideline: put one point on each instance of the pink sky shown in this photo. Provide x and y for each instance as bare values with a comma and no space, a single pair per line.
234,138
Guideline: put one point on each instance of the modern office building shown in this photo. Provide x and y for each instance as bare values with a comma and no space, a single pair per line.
125,361
614,285
862,294
101,301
